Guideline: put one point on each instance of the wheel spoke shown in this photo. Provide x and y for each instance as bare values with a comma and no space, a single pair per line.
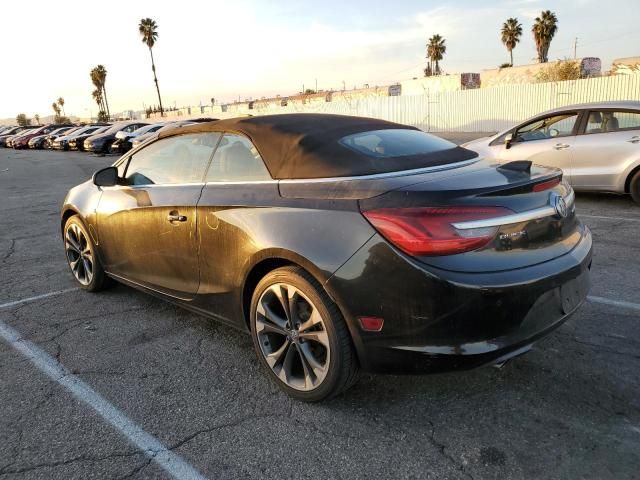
283,296
314,319
286,373
88,271
268,327
316,336
309,373
317,367
265,310
275,358
73,243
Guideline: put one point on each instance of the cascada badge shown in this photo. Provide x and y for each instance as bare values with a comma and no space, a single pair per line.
560,206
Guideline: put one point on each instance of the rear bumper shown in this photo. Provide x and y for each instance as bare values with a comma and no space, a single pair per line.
436,320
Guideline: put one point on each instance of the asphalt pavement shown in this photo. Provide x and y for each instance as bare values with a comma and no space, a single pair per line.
570,408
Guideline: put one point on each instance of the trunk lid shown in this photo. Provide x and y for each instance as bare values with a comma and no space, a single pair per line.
530,229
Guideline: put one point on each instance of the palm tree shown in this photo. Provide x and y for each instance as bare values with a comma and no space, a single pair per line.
149,31
97,93
97,96
101,77
436,48
544,28
511,33
56,108
37,118
61,103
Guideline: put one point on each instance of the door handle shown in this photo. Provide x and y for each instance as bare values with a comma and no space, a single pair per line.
176,218
634,139
561,146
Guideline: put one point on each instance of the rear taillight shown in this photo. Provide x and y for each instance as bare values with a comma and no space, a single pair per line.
429,231
549,184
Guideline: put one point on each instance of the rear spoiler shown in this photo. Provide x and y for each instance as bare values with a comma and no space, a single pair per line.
517,166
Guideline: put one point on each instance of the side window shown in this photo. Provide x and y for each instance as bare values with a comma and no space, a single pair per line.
171,160
623,121
236,160
560,125
609,121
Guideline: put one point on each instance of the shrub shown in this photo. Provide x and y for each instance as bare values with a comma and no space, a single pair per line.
560,71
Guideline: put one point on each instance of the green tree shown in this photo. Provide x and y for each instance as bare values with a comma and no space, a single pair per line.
436,49
36,117
544,29
23,120
510,35
149,32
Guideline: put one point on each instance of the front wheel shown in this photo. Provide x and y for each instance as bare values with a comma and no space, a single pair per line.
82,257
300,336
634,187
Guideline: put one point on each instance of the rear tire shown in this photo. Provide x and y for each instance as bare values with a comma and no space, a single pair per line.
82,257
303,342
634,187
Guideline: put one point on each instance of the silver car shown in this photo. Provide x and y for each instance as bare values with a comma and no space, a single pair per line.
597,145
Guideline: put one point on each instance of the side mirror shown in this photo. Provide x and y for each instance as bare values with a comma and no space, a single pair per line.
107,177
508,140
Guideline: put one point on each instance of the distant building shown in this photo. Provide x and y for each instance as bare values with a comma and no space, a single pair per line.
589,66
626,66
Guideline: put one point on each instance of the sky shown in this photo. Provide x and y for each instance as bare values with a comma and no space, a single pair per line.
253,48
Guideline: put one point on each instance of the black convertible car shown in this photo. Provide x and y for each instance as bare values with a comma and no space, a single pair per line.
340,243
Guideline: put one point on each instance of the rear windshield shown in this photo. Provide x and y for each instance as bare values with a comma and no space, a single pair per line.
394,143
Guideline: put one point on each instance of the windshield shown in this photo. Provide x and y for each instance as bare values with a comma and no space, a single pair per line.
116,128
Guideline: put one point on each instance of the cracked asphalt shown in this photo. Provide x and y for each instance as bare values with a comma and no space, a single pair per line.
568,409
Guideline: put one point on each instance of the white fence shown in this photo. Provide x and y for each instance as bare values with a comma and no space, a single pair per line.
480,110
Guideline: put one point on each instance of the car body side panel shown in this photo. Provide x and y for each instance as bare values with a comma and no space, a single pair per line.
83,199
552,152
601,160
139,243
241,225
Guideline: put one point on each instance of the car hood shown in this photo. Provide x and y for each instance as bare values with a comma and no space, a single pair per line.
477,141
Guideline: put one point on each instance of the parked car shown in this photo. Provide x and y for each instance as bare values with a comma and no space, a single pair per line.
8,141
338,242
62,142
44,141
597,145
50,140
140,139
39,141
23,140
9,133
122,143
101,142
76,142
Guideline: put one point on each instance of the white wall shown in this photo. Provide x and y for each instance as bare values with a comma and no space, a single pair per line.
479,110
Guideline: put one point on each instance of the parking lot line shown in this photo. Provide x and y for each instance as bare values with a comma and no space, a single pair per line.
170,462
626,219
615,303
37,297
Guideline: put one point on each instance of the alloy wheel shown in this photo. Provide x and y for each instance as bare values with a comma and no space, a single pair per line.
293,337
79,253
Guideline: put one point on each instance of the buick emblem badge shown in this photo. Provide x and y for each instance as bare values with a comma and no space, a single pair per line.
560,206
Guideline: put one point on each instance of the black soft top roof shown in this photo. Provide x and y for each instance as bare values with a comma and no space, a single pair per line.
305,145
